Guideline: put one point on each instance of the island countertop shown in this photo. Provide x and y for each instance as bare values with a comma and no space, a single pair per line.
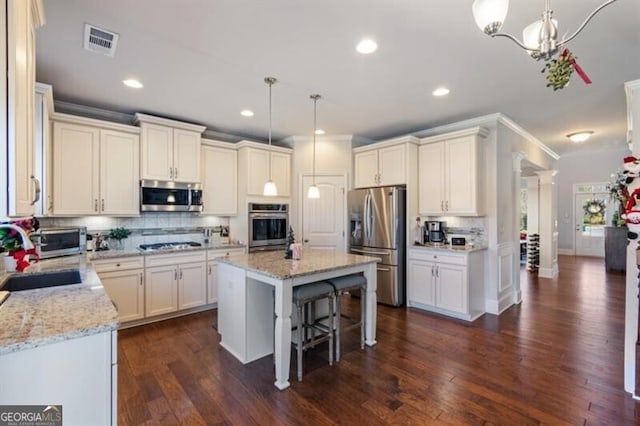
33,318
273,263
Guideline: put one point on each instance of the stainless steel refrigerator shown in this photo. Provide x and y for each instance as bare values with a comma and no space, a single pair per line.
377,223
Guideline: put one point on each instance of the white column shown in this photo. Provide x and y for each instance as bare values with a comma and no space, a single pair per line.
533,205
517,187
548,225
632,89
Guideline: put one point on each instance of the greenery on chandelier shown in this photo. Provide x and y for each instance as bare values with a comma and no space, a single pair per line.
559,70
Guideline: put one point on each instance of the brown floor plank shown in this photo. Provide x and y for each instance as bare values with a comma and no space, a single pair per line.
557,358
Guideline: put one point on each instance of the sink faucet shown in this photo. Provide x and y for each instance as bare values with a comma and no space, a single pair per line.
26,241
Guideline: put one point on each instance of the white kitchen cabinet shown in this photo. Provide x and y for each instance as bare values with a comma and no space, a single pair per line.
212,270
123,279
447,282
175,282
253,168
169,150
383,163
219,178
450,174
18,94
95,170
42,174
79,374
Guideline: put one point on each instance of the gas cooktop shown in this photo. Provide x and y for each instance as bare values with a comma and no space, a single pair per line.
180,245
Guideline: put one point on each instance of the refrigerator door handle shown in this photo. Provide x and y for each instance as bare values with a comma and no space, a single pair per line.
383,269
381,253
367,217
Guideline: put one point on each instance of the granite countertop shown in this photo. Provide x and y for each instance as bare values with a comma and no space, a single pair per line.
273,263
449,248
110,254
33,318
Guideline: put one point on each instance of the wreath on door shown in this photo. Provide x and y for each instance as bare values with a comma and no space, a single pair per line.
594,212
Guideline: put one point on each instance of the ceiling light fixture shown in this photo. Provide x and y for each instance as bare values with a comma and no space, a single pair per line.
270,188
313,191
578,137
540,38
320,132
366,46
440,91
133,83
246,113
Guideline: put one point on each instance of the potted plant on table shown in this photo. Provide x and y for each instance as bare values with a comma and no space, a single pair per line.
117,235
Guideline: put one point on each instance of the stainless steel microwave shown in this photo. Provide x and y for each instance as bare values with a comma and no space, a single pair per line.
163,196
55,242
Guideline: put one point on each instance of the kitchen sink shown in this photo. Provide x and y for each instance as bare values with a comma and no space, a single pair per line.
47,279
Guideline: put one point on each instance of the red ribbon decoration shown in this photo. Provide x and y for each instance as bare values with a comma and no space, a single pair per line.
583,75
22,258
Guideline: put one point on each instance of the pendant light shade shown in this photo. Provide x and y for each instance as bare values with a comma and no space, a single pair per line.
490,14
270,188
314,192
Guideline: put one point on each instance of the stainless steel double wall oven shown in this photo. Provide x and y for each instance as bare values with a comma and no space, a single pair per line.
268,226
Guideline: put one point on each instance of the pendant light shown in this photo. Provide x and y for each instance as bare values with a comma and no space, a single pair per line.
270,189
314,192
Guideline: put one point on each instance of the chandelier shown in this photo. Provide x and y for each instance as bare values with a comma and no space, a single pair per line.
540,38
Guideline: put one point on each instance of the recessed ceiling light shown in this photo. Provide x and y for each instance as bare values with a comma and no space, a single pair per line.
366,46
319,132
133,83
578,137
246,113
441,91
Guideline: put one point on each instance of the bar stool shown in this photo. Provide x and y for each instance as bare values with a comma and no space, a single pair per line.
342,285
304,296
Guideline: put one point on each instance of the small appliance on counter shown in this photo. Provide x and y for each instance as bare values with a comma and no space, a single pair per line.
62,241
436,232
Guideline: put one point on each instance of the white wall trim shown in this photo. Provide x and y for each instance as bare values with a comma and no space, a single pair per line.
145,118
496,307
548,272
566,252
505,257
219,144
263,146
84,121
384,144
473,131
508,122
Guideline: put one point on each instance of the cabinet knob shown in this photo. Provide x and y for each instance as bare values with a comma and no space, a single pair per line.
118,265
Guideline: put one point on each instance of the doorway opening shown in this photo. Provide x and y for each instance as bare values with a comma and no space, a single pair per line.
592,211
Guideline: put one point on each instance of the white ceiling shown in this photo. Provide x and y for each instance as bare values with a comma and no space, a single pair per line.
203,61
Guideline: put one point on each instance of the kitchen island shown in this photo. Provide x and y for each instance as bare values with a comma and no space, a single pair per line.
247,300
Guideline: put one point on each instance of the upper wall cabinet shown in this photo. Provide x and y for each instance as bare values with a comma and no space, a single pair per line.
219,178
382,164
450,175
170,150
22,17
254,163
95,167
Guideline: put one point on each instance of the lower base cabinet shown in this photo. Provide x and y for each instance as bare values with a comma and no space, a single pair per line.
212,271
447,283
123,279
174,282
79,374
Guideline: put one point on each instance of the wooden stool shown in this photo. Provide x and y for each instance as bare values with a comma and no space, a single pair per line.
303,297
342,285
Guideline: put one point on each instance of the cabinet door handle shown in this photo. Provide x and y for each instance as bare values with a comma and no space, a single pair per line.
171,172
175,173
446,205
175,275
437,271
103,204
95,205
209,269
442,205
432,273
140,278
180,273
37,188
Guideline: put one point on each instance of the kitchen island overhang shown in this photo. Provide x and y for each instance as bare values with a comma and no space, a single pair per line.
247,302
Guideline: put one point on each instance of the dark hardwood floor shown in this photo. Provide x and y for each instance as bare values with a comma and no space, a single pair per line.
557,358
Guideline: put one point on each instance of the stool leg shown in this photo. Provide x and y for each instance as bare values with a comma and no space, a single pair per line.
363,314
337,324
299,343
332,302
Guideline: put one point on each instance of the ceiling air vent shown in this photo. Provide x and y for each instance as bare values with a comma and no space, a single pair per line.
99,40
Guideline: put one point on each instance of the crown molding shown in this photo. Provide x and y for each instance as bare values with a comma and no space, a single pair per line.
263,146
219,144
508,122
474,131
46,91
37,11
140,118
410,139
85,121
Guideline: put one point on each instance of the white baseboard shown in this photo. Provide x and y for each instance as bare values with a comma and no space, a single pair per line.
548,272
567,252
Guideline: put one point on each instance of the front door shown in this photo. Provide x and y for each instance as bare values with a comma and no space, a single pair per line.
590,222
323,219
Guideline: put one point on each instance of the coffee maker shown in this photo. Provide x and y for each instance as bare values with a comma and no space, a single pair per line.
435,231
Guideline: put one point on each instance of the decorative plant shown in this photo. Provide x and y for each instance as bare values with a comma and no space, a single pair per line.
618,192
11,242
291,238
560,69
119,233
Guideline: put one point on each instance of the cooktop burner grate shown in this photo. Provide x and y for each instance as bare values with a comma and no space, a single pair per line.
170,246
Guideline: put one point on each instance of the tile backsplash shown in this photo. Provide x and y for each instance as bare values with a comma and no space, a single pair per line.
148,228
463,226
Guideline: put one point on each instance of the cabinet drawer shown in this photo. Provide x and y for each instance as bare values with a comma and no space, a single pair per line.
216,254
438,256
175,258
118,264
